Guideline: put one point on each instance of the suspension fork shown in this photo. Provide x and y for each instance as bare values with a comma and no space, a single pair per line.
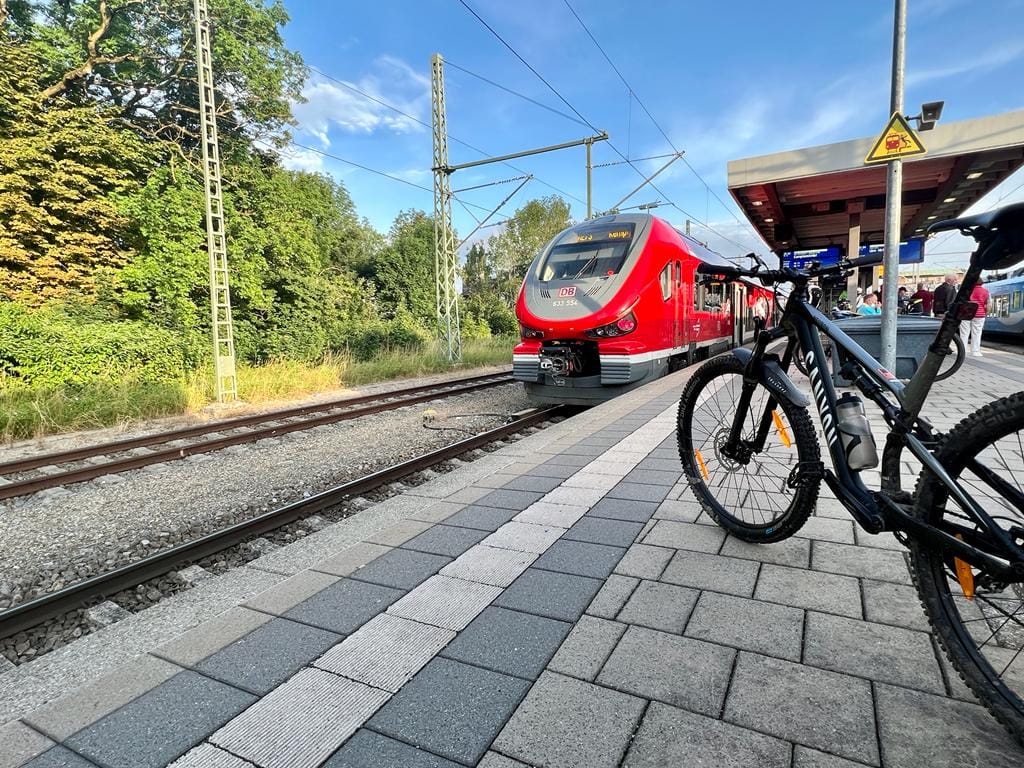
751,378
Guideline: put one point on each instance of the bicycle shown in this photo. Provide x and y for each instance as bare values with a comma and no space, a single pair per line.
751,455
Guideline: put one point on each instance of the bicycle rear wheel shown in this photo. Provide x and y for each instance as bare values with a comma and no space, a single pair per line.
983,635
755,500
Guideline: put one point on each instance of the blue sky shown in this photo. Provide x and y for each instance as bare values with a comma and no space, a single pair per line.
723,79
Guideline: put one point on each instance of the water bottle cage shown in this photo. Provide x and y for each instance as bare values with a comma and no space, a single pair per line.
806,473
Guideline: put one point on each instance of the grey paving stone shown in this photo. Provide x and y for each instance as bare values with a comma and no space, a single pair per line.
481,518
451,709
399,533
557,515
826,592
524,537
401,568
596,530
162,724
517,500
700,538
348,560
587,647
643,561
580,558
20,744
546,593
871,563
680,511
821,709
918,729
268,655
509,642
372,750
345,606
386,651
582,449
659,606
877,651
489,565
753,625
69,714
793,552
896,604
639,491
804,757
447,540
827,529
285,595
612,596
547,469
445,602
209,756
632,510
436,512
673,737
494,760
650,476
714,572
533,483
569,460
57,757
301,723
676,670
666,465
564,723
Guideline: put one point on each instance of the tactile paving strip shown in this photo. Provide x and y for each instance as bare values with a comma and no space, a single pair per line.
209,756
489,565
386,652
445,602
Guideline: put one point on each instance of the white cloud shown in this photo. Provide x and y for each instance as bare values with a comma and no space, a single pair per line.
330,105
996,56
298,159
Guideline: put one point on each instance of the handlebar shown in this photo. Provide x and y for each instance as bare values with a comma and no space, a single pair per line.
786,274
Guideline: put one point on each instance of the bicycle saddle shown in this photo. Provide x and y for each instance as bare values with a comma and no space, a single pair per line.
1001,231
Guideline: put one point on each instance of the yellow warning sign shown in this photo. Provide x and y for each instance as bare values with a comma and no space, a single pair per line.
897,140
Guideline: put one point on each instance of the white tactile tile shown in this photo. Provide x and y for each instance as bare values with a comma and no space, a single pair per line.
580,497
544,513
524,537
445,602
490,565
209,756
386,652
302,722
594,481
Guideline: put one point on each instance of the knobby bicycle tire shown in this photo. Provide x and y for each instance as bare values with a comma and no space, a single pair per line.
933,573
803,440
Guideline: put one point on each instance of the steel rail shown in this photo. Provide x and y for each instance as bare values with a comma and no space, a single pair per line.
387,403
41,609
48,459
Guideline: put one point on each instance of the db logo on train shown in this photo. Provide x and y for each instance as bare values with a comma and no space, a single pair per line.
569,290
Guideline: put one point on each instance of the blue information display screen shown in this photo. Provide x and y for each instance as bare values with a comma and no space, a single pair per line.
911,252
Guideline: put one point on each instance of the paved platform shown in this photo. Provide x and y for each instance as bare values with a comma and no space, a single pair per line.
561,602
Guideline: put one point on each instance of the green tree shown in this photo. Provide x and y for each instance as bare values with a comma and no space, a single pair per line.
528,229
59,168
404,269
477,274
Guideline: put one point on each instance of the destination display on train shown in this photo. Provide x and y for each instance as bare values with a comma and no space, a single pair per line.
621,232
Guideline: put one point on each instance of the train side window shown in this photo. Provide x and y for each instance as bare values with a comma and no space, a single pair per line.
1015,304
1002,308
666,282
714,297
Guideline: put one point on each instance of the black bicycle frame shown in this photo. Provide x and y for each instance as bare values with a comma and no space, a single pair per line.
878,511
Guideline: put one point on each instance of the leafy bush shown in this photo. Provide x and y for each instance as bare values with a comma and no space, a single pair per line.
48,348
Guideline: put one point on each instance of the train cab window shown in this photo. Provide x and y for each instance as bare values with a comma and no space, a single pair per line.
588,253
666,282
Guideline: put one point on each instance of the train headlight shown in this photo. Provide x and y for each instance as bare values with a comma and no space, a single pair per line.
530,333
622,326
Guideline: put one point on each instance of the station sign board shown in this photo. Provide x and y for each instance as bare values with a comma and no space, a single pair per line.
911,252
803,259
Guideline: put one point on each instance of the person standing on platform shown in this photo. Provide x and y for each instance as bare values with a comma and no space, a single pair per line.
924,296
971,329
870,305
944,295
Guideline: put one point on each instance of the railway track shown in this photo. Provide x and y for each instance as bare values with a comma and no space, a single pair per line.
21,477
41,609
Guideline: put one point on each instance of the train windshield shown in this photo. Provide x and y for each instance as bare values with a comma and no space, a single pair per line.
588,253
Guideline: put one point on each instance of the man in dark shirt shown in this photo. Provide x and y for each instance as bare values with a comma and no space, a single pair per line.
944,295
924,296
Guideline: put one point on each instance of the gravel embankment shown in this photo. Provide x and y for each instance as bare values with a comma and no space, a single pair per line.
61,535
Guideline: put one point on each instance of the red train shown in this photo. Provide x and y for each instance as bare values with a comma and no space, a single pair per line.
613,303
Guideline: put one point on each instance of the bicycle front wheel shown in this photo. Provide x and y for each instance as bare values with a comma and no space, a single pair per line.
761,499
978,620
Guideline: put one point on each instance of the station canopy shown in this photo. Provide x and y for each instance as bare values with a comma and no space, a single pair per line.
808,199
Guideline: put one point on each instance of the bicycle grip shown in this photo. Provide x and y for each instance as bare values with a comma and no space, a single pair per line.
866,261
729,273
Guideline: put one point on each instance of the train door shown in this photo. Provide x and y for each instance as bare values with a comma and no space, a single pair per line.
677,303
739,311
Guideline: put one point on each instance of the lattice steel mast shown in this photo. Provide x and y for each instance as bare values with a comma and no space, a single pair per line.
216,245
445,256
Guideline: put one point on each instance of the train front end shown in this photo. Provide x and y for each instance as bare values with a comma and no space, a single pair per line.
582,314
